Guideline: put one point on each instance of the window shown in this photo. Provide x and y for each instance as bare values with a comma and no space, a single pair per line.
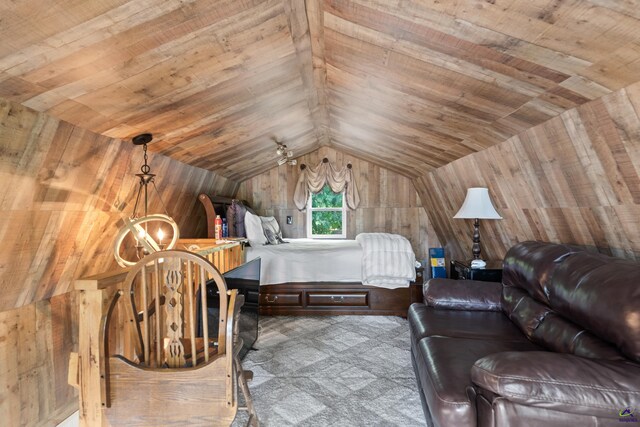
326,215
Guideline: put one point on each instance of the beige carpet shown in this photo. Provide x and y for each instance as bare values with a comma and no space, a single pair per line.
333,371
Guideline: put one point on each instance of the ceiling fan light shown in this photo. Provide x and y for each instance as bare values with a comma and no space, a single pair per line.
289,153
280,150
282,161
293,162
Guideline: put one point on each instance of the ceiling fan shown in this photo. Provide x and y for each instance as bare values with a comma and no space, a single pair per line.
285,154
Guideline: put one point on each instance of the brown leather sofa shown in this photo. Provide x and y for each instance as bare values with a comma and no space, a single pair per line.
556,344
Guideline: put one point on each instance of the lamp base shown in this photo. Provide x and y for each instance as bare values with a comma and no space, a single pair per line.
478,263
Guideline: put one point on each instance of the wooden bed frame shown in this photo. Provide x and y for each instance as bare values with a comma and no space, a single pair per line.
333,298
323,298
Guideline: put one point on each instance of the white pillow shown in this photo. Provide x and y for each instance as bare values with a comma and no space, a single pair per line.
253,227
271,230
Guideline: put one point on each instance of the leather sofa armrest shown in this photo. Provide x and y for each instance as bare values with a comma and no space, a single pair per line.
562,382
463,294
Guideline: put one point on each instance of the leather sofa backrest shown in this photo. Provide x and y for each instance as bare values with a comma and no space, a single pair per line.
601,294
530,266
544,294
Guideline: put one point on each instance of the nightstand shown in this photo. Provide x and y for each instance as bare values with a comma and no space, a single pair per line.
415,287
462,270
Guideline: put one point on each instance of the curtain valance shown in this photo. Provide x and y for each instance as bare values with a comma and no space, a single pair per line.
313,180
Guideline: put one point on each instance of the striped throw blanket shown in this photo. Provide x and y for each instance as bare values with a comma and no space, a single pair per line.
387,260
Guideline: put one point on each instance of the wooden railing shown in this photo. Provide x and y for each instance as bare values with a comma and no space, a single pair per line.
98,297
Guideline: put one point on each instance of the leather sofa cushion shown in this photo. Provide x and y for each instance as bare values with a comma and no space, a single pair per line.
523,310
530,266
602,295
560,382
502,412
483,325
444,366
560,335
462,294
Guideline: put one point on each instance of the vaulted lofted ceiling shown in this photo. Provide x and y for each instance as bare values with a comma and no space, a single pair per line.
407,84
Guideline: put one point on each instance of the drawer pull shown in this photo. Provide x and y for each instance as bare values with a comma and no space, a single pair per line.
335,298
275,298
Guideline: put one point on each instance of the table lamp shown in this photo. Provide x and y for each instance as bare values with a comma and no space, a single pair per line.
477,205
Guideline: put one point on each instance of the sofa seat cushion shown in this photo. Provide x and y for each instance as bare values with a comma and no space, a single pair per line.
560,382
444,370
484,325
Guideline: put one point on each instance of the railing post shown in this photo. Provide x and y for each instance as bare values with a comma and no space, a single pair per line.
94,299
91,305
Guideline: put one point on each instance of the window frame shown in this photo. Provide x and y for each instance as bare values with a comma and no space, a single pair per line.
309,215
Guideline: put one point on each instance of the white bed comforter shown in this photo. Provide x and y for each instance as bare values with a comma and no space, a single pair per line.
388,260
308,260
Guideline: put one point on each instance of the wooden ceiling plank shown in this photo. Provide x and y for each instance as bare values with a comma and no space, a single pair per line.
389,127
456,88
628,8
397,165
301,22
388,148
215,151
416,11
142,37
450,52
525,83
71,39
471,51
598,28
30,24
238,89
619,69
222,82
212,101
228,142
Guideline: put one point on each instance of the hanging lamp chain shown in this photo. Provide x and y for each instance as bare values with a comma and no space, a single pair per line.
146,178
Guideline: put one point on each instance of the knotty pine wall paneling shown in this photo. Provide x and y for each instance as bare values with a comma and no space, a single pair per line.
64,192
573,179
389,202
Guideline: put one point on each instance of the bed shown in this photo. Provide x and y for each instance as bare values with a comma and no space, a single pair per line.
319,277
299,260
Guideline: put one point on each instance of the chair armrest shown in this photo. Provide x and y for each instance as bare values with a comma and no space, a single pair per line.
562,382
463,294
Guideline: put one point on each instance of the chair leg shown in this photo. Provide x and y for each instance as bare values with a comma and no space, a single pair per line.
242,381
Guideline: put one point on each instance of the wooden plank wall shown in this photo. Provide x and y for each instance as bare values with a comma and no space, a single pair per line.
35,341
64,190
389,202
573,179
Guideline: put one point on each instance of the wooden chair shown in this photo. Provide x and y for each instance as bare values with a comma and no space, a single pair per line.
169,371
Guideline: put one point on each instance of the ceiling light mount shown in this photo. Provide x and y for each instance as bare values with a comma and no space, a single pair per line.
142,139
285,155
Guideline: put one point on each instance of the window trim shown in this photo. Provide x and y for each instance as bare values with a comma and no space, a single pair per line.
310,211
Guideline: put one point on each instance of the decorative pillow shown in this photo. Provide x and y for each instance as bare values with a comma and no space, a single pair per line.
254,232
231,221
271,230
239,210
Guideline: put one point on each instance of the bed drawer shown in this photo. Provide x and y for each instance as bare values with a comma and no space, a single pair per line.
358,299
284,298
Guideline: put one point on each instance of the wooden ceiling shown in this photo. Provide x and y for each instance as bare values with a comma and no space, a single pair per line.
407,84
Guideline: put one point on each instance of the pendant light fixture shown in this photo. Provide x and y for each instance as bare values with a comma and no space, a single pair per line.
145,228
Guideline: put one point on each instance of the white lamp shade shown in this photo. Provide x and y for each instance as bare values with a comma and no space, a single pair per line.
477,204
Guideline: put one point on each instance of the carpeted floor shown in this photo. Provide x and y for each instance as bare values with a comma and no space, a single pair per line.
333,371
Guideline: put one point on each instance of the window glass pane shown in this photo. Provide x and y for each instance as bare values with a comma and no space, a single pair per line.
326,222
326,199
